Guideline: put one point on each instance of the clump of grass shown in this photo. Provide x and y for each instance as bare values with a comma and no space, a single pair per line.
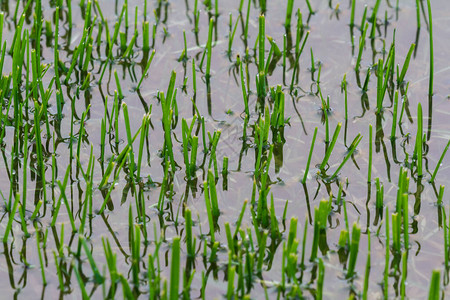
320,222
277,118
384,73
212,206
189,141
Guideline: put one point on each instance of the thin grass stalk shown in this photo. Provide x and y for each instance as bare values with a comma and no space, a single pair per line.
98,278
118,86
2,18
387,259
230,286
209,211
438,165
147,67
297,59
144,134
369,171
209,49
315,243
401,77
129,49
418,13
362,42
262,250
244,91
311,11
320,280
292,234
374,18
58,271
23,222
241,217
36,210
394,116
352,14
232,33
130,140
313,65
66,203
344,88
84,293
275,230
430,28
261,77
126,289
368,267
419,137
446,235
41,260
396,223
213,195
230,241
167,108
331,147
247,20
145,36
380,75
25,170
354,248
435,286
289,7
39,110
405,221
225,166
186,137
11,217
194,78
175,269
350,152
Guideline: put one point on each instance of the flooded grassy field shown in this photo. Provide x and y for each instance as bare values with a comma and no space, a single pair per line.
224,149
